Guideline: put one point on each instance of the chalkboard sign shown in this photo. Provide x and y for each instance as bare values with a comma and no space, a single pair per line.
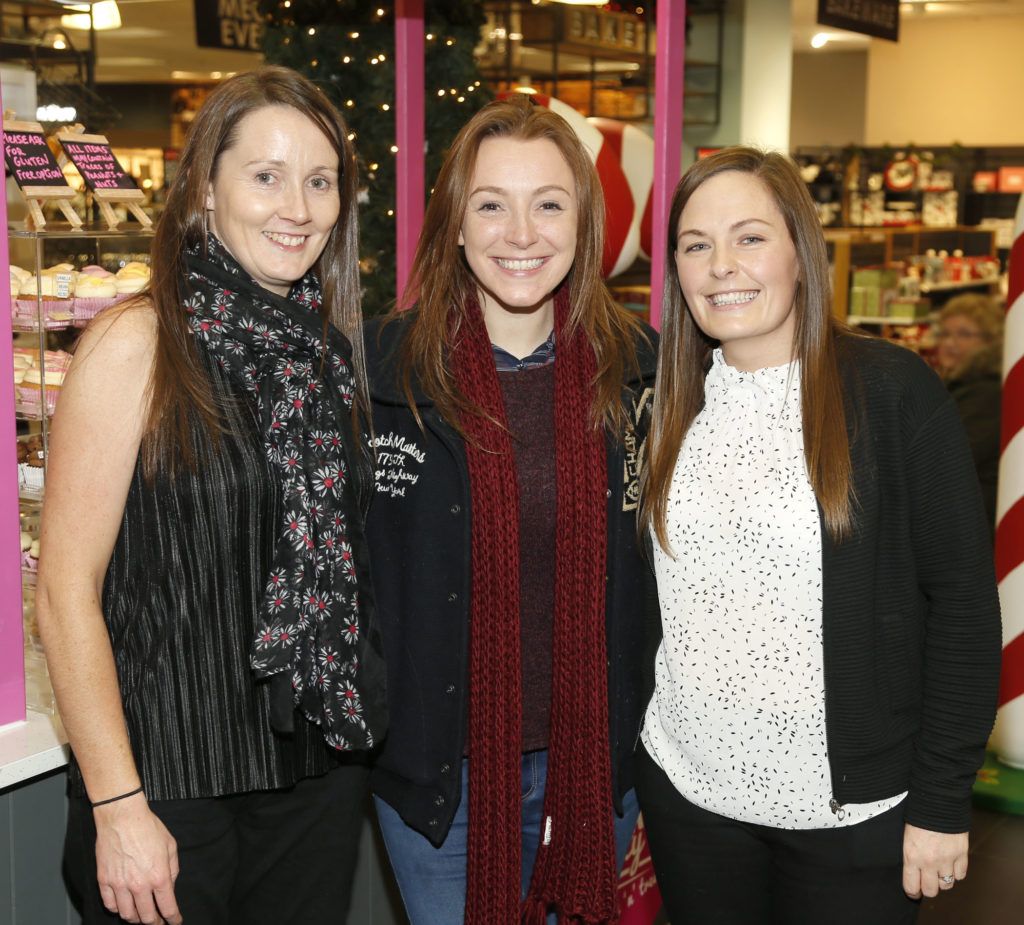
102,173
36,171
94,160
30,159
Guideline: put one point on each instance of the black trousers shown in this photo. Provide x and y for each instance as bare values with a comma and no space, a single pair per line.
277,857
717,871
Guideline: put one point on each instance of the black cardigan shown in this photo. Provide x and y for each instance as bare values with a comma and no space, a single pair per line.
912,640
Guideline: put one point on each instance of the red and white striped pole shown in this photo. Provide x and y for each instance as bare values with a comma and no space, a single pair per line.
1008,736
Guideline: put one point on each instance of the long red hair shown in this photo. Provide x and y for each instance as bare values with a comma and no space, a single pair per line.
441,282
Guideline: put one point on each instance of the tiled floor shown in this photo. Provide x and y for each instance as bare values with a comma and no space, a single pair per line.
993,893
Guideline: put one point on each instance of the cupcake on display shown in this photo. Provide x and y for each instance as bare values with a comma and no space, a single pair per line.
132,278
54,289
29,392
30,466
95,290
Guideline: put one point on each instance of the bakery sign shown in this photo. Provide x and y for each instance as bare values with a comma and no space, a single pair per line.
233,24
585,30
878,18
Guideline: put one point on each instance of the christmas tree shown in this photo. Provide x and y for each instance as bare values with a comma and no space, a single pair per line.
347,48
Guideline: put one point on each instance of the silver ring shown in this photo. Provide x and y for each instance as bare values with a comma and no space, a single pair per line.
949,878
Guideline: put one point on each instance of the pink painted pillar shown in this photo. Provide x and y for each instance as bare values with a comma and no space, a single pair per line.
410,130
668,135
12,650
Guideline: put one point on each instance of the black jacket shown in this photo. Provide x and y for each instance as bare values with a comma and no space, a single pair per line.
911,627
419,538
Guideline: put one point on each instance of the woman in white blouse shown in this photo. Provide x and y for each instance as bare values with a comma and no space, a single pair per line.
828,671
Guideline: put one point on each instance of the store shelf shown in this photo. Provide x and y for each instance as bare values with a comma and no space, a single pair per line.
880,319
64,230
962,284
30,748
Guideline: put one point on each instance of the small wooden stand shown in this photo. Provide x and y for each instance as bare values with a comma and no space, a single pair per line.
35,196
104,196
130,198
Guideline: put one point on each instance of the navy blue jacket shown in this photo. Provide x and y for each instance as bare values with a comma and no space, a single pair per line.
419,538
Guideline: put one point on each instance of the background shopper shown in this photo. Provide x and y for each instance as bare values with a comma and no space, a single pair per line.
970,356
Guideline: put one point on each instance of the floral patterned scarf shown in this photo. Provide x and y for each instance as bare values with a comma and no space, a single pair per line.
314,629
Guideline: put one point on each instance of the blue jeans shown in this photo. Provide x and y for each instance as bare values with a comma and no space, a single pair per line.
433,880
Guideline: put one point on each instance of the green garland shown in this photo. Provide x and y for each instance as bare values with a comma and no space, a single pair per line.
347,48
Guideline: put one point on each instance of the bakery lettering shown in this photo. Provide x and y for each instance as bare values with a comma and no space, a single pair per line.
31,160
240,24
97,165
394,454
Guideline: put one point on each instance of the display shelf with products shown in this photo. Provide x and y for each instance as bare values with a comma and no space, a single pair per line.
941,186
60,278
903,274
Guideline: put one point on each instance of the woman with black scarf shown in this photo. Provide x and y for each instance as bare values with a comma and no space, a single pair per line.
202,585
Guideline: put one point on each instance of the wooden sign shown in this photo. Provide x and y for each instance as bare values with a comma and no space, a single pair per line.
586,31
36,171
95,161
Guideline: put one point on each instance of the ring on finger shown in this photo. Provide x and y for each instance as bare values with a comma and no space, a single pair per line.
948,879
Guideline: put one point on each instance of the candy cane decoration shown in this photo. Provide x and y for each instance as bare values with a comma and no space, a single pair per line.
624,158
1008,737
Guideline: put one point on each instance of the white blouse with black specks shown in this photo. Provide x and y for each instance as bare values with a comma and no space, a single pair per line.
737,720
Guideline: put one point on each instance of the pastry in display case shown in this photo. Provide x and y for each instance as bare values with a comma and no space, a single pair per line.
60,281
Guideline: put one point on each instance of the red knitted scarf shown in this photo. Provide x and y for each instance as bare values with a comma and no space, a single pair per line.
575,868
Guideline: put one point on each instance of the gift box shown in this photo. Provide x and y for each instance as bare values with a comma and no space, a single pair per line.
1011,179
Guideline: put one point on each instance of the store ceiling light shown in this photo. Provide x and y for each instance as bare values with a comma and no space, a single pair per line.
105,15
820,40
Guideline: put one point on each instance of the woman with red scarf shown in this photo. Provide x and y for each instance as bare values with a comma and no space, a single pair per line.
509,411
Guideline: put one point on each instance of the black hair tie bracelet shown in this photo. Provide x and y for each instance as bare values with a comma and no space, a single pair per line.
123,796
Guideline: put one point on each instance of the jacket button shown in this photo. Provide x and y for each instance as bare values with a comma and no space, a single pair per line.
450,689
608,493
445,768
439,801
452,596
456,508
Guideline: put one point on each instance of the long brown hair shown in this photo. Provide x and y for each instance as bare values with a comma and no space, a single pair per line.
441,283
685,350
180,390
